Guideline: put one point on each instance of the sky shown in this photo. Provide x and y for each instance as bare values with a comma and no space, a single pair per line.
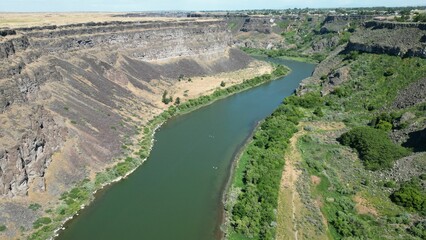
155,5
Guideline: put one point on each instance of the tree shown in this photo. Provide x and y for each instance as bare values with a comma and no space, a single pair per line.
177,101
222,84
165,99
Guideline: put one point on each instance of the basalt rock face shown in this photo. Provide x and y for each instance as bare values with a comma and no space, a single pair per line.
28,159
336,24
400,39
72,96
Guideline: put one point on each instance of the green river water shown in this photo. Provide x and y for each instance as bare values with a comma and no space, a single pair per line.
177,193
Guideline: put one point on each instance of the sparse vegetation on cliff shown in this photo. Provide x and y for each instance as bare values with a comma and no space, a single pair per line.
82,194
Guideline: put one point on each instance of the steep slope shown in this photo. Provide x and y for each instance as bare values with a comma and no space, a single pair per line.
364,179
75,98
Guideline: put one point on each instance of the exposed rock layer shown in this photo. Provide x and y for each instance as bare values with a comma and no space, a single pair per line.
79,91
400,39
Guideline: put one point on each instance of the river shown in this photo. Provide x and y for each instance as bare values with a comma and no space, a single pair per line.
176,194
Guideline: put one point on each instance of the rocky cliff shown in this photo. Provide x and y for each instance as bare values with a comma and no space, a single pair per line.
72,96
400,39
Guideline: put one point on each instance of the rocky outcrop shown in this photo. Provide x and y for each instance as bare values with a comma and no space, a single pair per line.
27,160
338,23
400,39
324,44
334,79
258,24
72,96
326,73
9,47
414,94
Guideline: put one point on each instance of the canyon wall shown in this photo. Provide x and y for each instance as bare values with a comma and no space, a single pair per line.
72,97
400,39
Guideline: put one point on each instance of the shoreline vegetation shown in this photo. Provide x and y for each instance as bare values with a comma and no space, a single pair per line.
284,54
257,175
83,194
342,177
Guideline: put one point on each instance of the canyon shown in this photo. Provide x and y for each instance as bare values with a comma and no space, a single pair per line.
75,98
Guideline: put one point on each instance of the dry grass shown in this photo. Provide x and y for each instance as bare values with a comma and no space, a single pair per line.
15,20
291,210
289,201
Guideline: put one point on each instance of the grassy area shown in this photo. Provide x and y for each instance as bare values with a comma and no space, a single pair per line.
285,54
82,194
357,203
354,201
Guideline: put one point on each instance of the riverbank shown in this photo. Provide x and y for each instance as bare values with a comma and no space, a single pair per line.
327,190
257,175
82,194
277,54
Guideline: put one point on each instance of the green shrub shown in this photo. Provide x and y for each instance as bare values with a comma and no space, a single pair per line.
3,228
340,92
318,111
419,229
421,17
374,147
309,100
34,206
349,225
41,221
165,99
384,125
384,121
390,184
411,196
177,101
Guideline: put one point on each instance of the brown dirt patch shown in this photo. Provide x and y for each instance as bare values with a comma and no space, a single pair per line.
363,207
315,180
290,207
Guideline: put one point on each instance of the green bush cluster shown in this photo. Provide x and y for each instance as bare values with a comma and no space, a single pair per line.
349,225
292,53
369,85
421,17
3,228
253,215
309,100
419,229
166,99
41,221
34,206
385,121
374,147
411,195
